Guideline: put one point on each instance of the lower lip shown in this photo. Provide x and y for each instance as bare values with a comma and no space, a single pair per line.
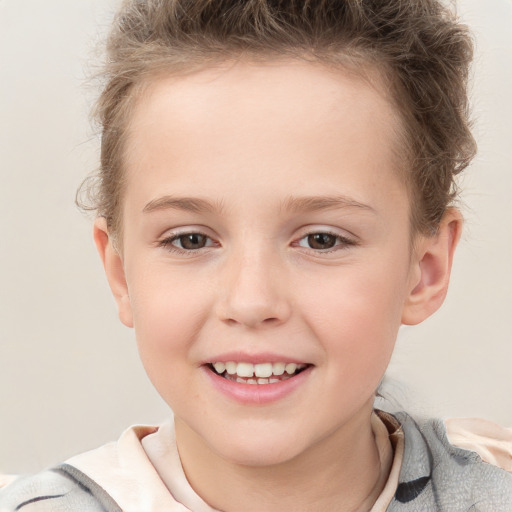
257,393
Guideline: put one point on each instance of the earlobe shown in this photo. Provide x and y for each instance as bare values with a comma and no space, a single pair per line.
430,272
114,270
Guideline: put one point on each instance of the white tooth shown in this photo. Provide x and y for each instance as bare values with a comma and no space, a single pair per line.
301,366
291,368
252,381
262,381
242,381
245,369
231,367
273,381
219,367
263,370
278,368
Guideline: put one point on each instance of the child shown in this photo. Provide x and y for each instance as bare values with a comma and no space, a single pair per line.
274,202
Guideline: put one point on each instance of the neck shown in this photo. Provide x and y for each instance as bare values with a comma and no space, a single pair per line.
342,472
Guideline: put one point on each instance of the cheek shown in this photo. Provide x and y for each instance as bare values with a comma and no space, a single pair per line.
356,315
168,311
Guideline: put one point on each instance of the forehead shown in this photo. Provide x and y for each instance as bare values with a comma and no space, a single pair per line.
309,92
259,123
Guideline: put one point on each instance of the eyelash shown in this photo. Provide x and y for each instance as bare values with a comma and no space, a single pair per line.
341,242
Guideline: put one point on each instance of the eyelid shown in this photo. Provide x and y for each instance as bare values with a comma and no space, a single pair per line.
185,229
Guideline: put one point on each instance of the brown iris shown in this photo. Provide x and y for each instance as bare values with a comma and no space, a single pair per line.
193,241
321,241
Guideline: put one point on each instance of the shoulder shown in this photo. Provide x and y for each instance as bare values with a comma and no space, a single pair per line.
443,476
62,489
115,477
491,441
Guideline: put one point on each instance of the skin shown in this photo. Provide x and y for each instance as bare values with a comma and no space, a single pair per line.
252,141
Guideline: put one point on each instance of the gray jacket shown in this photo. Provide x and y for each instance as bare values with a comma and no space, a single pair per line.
435,477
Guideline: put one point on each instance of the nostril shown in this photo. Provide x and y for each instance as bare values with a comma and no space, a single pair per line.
252,322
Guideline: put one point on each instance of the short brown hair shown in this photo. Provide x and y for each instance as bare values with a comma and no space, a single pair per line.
418,47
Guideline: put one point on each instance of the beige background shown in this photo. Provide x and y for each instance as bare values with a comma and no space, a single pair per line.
69,374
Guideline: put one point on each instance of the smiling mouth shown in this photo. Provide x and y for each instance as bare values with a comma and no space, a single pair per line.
262,373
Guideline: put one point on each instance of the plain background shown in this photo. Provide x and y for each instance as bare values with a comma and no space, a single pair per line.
70,378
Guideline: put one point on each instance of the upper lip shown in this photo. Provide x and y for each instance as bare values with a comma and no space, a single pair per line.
262,357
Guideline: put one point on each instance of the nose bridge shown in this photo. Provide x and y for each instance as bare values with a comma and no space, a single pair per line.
254,291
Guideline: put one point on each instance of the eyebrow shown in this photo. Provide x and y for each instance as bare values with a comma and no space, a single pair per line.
189,204
292,203
318,203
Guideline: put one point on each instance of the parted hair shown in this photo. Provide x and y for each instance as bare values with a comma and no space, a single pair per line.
420,50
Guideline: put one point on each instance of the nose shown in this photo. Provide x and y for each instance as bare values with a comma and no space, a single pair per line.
254,292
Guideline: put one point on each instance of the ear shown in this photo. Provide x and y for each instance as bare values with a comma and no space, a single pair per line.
431,268
114,270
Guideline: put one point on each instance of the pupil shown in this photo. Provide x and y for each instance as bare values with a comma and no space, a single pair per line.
193,241
321,241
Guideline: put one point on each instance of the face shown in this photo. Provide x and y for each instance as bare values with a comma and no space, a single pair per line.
265,230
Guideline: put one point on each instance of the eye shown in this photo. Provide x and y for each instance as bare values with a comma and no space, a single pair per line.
187,242
324,241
